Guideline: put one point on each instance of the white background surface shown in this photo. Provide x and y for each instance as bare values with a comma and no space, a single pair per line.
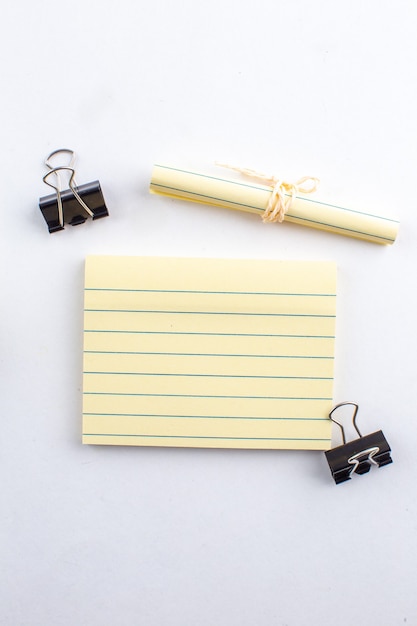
103,536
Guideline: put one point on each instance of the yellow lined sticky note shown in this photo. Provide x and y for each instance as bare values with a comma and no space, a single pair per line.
217,353
253,198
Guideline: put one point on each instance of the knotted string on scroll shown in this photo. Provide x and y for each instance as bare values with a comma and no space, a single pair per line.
283,193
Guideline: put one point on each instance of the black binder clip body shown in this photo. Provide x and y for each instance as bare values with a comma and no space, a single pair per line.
358,455
74,205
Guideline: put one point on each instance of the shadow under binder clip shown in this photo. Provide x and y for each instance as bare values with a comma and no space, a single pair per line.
73,205
358,455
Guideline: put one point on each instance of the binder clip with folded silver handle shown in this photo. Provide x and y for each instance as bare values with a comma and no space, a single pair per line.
359,455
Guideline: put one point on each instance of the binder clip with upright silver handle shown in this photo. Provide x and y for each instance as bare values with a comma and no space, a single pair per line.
73,205
359,455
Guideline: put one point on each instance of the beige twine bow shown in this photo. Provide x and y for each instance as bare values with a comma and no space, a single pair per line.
283,193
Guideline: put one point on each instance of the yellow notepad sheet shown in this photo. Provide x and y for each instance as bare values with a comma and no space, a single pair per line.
252,197
214,353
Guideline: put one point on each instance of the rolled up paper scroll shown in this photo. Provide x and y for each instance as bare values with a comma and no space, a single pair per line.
245,195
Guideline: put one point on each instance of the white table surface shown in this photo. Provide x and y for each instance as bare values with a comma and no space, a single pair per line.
120,536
